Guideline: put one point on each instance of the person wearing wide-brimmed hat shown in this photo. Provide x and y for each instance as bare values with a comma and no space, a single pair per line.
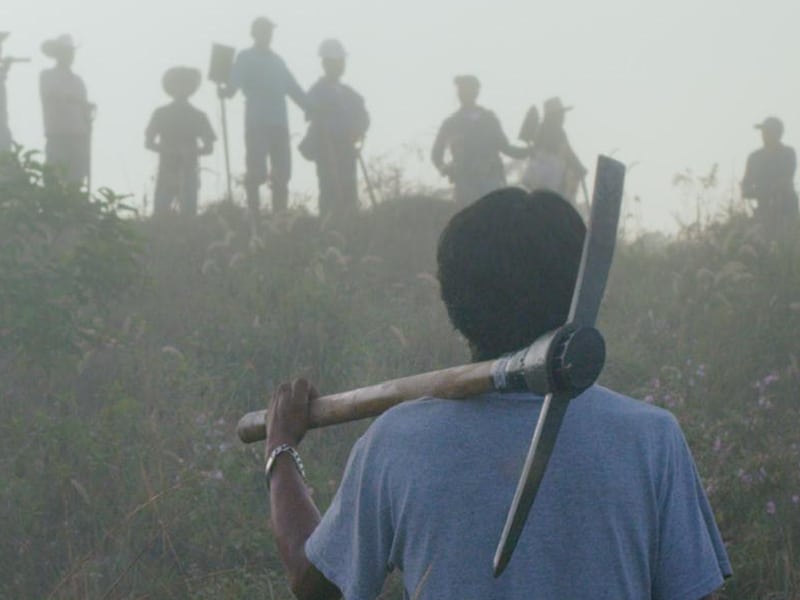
553,164
180,133
67,112
475,139
769,178
338,121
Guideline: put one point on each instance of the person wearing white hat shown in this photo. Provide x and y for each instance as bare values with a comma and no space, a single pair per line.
67,112
338,121
769,178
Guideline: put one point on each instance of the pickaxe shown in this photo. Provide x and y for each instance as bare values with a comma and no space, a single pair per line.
559,365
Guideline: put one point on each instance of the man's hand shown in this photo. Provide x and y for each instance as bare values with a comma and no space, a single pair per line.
287,415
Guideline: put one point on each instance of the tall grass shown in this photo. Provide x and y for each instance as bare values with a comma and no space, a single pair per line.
120,474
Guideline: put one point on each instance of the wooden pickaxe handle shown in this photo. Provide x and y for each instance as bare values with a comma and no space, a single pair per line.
455,382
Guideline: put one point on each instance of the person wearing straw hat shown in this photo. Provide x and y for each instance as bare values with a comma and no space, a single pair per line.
67,112
475,139
769,178
553,164
338,121
265,81
180,133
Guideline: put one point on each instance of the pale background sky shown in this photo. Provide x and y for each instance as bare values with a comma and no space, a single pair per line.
665,85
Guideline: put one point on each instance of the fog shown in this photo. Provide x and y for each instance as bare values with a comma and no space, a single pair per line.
668,86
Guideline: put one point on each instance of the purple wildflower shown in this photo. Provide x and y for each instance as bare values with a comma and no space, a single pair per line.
771,508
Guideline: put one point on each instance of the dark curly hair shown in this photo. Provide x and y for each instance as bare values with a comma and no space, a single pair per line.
507,267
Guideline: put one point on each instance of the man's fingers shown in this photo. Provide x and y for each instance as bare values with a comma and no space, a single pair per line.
300,389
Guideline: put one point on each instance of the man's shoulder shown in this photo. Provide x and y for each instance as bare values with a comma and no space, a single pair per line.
601,402
351,93
597,406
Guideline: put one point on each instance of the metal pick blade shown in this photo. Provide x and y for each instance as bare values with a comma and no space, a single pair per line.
552,414
598,252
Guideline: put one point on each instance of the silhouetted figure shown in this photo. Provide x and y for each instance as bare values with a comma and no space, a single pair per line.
338,122
553,164
5,132
475,139
180,133
769,178
265,81
67,112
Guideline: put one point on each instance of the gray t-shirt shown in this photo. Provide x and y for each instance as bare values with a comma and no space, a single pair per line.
621,512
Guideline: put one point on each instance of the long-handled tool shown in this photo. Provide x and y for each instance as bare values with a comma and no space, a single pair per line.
559,365
219,72
367,180
225,144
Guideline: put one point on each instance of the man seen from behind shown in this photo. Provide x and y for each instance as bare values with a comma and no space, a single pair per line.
621,512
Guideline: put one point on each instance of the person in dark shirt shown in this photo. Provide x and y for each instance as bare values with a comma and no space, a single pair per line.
475,139
265,81
338,121
180,133
769,178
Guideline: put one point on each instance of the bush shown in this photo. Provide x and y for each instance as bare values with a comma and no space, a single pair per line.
123,478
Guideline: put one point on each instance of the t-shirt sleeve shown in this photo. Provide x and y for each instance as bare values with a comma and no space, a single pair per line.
692,561
352,544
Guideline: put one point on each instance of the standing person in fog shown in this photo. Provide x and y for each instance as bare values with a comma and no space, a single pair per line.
265,82
769,178
475,139
553,164
338,122
175,130
5,131
67,112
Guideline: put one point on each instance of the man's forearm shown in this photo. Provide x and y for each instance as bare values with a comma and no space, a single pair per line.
294,517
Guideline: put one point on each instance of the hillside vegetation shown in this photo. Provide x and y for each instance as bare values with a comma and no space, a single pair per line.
129,348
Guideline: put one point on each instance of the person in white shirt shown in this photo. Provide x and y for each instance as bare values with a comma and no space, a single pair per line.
67,113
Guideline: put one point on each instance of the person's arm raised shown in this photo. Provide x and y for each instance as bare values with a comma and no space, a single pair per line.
293,513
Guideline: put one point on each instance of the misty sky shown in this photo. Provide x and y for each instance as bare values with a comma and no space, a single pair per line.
665,85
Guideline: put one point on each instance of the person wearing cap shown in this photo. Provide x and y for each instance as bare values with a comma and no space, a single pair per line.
475,139
180,134
338,121
67,112
265,81
553,164
769,177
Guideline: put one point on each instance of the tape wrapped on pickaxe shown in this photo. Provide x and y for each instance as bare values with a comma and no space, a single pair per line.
559,365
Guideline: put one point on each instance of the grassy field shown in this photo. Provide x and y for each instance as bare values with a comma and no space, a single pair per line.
129,349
